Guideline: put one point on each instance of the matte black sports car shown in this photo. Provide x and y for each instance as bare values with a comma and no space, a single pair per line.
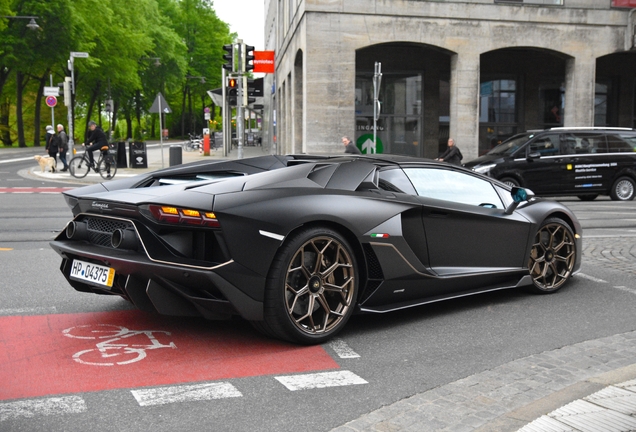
299,245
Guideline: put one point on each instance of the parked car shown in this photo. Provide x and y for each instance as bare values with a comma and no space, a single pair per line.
583,162
298,249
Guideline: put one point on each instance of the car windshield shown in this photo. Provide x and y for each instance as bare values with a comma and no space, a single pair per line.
511,145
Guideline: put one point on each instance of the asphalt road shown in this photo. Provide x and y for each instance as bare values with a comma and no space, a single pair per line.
398,354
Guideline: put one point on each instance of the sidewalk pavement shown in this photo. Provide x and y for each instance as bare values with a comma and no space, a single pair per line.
588,387
153,156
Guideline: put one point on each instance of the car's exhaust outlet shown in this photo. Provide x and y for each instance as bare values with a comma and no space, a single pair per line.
124,239
77,230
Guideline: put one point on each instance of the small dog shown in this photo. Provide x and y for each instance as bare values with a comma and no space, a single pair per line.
45,161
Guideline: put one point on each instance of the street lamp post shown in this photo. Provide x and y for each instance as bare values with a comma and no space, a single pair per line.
32,25
71,68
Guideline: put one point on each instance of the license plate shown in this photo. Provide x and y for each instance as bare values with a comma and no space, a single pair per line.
92,273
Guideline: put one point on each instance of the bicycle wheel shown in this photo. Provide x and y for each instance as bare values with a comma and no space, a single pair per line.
78,167
107,168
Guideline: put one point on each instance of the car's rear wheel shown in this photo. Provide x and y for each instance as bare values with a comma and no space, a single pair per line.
587,197
312,287
623,189
553,256
510,181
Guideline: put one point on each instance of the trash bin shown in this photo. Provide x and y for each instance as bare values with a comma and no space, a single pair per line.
175,155
122,162
138,156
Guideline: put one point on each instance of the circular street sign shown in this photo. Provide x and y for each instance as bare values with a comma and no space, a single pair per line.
365,144
51,101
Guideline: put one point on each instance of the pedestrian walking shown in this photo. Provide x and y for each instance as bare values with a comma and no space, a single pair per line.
452,155
62,145
350,147
51,141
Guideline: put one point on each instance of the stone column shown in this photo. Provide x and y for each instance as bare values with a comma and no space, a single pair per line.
464,106
430,117
580,77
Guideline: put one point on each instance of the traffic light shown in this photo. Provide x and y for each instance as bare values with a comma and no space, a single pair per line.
248,56
248,91
232,91
229,57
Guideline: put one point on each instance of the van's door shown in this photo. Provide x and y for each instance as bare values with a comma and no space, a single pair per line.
589,170
541,169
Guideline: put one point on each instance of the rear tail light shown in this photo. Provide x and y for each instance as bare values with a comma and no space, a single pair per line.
176,215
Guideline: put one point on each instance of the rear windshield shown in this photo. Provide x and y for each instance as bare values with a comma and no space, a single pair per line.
511,145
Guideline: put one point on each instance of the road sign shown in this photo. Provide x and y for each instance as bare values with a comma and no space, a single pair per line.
79,54
160,105
51,101
51,91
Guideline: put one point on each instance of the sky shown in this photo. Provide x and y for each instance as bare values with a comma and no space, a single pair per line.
245,17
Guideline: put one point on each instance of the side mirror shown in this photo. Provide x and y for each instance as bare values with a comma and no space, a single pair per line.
534,155
518,195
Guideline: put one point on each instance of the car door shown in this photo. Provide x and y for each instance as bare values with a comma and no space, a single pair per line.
466,227
588,170
542,169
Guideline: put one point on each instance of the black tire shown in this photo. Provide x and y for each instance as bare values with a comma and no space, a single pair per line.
623,189
587,197
552,256
510,181
311,289
107,168
78,167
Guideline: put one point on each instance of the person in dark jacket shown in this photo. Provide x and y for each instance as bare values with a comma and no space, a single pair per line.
51,141
452,155
63,145
96,140
350,147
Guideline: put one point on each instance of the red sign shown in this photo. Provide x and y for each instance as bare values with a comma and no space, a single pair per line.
51,101
624,3
264,61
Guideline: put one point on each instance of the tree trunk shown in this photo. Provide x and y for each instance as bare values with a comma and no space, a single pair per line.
20,85
115,109
183,106
37,114
129,128
5,108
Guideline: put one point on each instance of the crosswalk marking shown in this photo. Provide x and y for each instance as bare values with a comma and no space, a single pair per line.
343,350
320,380
186,393
48,406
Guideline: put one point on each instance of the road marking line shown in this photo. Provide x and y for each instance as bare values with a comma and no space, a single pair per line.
320,380
592,278
626,289
342,349
49,406
187,393
29,311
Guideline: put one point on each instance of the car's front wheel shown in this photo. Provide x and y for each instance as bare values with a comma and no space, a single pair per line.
312,287
553,256
623,189
510,181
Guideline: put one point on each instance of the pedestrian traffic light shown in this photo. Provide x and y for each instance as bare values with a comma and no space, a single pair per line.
248,57
229,57
232,91
248,92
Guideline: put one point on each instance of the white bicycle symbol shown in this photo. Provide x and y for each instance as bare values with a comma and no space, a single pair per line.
108,348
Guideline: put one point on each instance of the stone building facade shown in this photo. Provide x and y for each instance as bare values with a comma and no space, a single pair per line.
475,70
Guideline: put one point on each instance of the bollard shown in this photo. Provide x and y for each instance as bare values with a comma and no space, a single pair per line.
175,155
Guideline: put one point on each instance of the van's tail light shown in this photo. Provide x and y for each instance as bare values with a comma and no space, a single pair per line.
177,215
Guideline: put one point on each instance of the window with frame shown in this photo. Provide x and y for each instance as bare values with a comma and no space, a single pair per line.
455,186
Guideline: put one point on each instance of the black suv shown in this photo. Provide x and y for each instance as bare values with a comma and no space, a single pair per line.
584,162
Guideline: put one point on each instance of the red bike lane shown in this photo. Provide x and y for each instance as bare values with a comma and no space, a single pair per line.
74,353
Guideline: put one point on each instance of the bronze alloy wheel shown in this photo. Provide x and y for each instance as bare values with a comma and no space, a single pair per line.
552,256
320,285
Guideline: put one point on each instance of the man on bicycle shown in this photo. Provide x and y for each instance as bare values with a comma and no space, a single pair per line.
96,140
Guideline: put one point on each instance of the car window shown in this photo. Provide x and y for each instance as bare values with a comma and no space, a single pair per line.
583,143
394,180
546,145
510,146
621,144
456,186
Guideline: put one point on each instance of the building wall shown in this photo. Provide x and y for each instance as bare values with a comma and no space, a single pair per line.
328,33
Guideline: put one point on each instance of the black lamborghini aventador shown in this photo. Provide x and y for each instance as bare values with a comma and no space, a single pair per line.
297,244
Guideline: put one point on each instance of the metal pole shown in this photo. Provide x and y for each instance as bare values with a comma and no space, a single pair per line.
69,110
239,100
160,129
224,108
377,79
52,108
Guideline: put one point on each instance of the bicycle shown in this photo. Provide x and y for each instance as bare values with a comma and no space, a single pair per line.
79,166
